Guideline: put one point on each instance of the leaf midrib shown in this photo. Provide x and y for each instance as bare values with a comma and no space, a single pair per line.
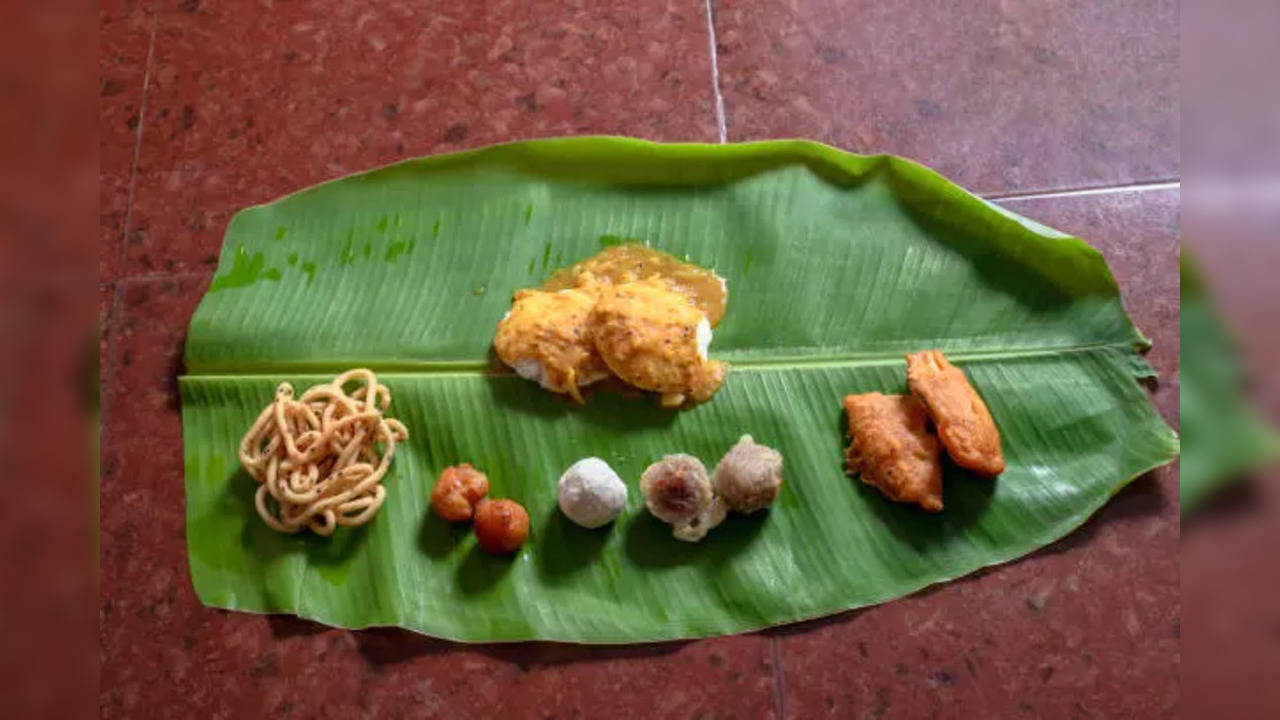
469,368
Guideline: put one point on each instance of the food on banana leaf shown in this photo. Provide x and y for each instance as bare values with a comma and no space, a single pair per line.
545,338
632,261
892,448
631,311
677,491
457,492
501,526
774,218
590,493
964,423
318,458
748,476
655,339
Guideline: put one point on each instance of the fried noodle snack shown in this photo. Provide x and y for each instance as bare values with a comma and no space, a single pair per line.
964,423
892,448
317,456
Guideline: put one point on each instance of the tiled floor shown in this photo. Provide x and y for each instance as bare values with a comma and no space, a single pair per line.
1000,96
1228,544
208,107
319,91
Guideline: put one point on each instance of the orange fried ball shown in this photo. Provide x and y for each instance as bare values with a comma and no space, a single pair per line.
501,526
458,491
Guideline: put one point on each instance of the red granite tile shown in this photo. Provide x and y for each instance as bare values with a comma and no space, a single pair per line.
1231,601
125,34
164,654
1088,627
47,562
47,556
310,91
1230,578
1000,96
47,139
145,592
106,297
1235,247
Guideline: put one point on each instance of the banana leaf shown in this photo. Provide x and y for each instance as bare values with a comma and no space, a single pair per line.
837,265
1225,437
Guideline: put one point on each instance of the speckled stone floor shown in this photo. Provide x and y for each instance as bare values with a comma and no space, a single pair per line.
1065,111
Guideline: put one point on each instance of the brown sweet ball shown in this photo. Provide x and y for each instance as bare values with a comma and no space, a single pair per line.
749,476
501,526
458,491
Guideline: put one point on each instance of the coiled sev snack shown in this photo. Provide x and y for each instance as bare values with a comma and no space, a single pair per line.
317,457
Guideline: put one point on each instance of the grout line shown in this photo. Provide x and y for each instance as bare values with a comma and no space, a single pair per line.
779,681
106,371
137,150
1085,191
165,275
721,129
106,366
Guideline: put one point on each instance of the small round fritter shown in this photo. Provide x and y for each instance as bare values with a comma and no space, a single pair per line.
656,339
502,526
748,476
546,338
457,492
677,491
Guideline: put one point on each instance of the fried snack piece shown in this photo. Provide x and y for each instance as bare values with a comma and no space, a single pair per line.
502,526
656,339
964,424
457,492
891,446
545,338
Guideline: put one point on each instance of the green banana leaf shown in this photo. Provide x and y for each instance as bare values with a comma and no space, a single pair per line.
837,265
1225,437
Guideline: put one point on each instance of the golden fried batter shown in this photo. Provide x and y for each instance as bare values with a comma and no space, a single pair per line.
546,338
656,339
891,446
964,424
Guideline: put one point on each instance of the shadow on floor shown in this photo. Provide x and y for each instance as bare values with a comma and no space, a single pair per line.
1237,500
389,646
1144,497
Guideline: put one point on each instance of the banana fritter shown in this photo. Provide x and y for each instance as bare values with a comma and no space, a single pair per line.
964,423
892,448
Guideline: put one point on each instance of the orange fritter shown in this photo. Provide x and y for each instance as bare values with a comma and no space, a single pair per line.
656,339
964,423
457,492
546,338
891,446
502,526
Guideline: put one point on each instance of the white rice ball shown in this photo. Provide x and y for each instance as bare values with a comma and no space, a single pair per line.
591,493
